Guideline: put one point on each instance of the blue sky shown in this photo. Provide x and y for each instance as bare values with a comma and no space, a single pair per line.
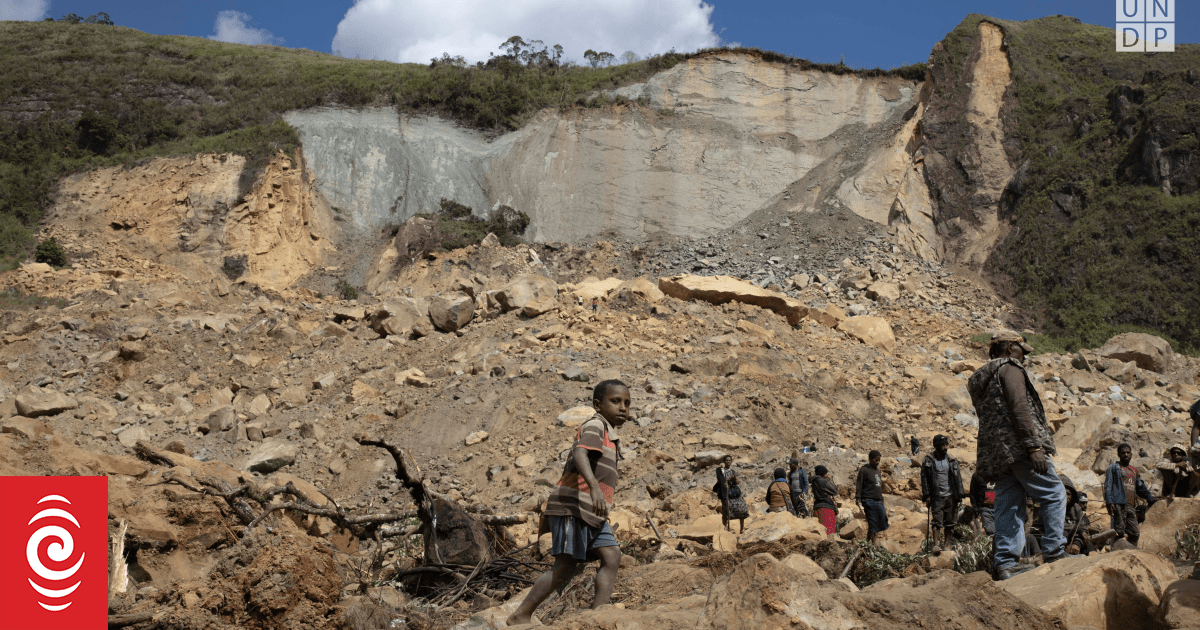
868,32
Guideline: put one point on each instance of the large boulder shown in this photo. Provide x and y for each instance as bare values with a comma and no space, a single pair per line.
1078,430
708,364
884,291
527,290
1120,589
1164,519
397,317
451,313
592,288
763,592
642,286
36,401
1147,351
946,392
721,440
873,331
781,526
270,456
1180,605
723,289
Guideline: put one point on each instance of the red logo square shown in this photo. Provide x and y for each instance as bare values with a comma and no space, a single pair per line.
54,553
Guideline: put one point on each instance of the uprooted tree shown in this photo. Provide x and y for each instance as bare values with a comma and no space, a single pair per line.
455,540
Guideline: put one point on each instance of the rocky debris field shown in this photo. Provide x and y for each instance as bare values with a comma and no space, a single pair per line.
480,362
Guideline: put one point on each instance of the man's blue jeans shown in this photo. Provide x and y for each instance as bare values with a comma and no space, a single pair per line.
1012,488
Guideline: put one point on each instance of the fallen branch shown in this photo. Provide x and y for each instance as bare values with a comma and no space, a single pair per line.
120,621
849,565
653,527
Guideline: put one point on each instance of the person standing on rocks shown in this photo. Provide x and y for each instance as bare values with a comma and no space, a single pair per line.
868,493
983,499
798,483
595,304
1122,487
941,491
779,497
824,498
1180,478
577,510
1014,442
729,491
914,444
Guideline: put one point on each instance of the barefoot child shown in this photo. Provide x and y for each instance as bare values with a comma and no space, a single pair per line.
577,510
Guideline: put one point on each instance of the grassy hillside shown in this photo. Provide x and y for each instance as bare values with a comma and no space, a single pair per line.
1106,204
78,96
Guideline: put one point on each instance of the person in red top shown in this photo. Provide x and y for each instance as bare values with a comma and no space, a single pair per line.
577,510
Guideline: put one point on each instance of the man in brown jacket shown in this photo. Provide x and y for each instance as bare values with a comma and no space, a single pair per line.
1013,448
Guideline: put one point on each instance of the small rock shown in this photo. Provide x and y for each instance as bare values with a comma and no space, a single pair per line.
324,381
525,461
133,351
576,373
575,416
271,456
33,402
476,438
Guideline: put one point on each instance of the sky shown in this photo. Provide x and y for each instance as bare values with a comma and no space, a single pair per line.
867,33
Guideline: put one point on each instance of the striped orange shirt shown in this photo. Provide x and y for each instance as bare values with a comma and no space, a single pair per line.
572,496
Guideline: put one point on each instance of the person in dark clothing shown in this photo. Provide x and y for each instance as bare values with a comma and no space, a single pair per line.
941,490
824,499
1077,523
1122,488
798,484
729,491
915,444
868,493
1180,478
983,499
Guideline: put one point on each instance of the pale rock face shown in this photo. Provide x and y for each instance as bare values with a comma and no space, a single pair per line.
744,130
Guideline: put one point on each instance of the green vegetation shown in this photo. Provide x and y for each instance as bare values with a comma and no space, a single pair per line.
347,290
51,253
456,225
80,95
1101,245
12,299
1187,543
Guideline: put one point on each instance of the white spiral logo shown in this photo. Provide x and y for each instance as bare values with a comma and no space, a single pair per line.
59,551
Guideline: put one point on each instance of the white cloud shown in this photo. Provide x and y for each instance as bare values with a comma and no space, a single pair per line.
233,27
418,30
23,10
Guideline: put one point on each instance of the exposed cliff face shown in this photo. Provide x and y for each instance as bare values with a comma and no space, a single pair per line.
723,135
187,213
